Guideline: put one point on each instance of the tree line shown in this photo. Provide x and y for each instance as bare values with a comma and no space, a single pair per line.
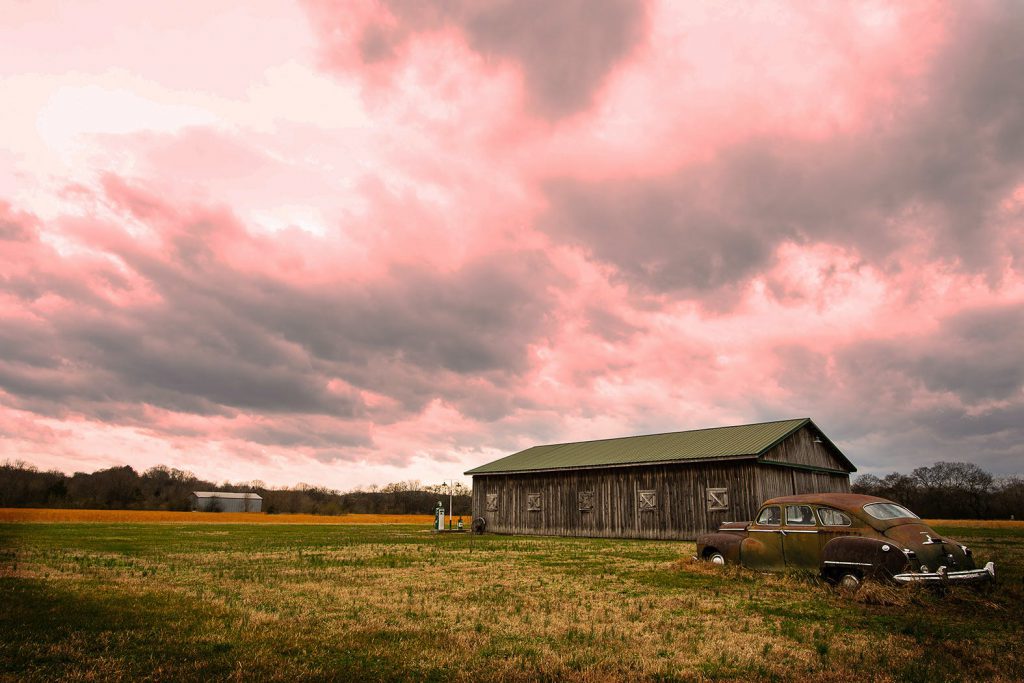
949,490
945,490
168,488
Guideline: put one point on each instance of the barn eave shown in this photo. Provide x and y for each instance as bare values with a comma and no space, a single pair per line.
798,466
611,466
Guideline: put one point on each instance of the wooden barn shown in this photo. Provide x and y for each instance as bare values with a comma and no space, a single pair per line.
669,486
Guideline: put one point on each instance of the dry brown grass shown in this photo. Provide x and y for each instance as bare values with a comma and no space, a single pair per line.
144,516
396,603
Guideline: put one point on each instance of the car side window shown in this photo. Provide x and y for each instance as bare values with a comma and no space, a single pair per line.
770,516
830,517
799,515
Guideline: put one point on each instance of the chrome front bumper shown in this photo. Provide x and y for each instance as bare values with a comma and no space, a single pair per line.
943,576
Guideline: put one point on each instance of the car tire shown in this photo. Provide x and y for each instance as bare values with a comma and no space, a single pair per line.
716,558
848,582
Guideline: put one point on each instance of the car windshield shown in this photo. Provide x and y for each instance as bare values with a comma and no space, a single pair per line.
888,511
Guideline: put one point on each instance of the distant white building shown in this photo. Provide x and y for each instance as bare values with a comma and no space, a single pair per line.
220,501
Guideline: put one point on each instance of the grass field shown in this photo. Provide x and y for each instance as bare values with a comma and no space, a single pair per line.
173,601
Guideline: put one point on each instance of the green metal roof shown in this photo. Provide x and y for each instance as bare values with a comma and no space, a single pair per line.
697,444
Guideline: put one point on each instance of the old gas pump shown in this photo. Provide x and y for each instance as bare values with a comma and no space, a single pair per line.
460,524
439,517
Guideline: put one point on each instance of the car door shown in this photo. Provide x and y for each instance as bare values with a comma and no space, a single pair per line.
800,538
762,548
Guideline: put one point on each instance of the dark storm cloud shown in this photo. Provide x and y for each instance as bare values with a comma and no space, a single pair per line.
300,433
607,325
947,158
565,49
955,394
415,335
974,355
473,320
1001,427
95,361
215,340
656,233
979,359
15,227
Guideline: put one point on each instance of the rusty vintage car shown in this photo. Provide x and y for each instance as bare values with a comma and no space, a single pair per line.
845,537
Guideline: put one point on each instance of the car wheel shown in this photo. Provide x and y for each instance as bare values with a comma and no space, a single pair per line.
716,558
848,582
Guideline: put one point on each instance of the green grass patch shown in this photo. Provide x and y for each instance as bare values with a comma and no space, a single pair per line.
324,602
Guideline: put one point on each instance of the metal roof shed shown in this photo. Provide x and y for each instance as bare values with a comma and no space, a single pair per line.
223,501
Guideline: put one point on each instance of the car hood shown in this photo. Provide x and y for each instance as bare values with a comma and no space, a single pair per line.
932,549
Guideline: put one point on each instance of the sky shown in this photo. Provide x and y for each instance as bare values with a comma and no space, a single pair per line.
353,243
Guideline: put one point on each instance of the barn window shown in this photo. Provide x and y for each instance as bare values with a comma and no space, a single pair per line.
718,500
533,502
492,502
585,500
647,500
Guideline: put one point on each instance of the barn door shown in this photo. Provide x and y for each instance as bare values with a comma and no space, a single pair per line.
716,506
646,510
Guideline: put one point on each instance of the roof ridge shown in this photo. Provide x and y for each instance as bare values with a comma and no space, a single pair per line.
225,493
725,441
681,431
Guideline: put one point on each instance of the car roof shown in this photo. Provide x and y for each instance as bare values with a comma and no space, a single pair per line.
853,503
847,501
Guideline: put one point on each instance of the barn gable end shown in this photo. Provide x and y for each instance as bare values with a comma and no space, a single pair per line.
808,448
673,485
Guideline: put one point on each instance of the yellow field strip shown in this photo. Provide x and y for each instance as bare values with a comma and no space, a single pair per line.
137,516
52,515
979,523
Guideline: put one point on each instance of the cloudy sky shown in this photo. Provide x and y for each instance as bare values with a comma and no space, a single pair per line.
348,243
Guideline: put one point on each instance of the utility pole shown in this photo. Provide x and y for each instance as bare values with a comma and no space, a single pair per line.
450,484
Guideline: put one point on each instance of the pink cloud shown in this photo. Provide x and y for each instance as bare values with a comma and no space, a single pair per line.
563,52
357,243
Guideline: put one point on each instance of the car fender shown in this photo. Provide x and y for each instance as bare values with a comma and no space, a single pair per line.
867,556
726,543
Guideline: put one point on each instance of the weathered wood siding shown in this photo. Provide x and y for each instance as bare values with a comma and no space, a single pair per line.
774,481
549,502
680,510
800,449
679,500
